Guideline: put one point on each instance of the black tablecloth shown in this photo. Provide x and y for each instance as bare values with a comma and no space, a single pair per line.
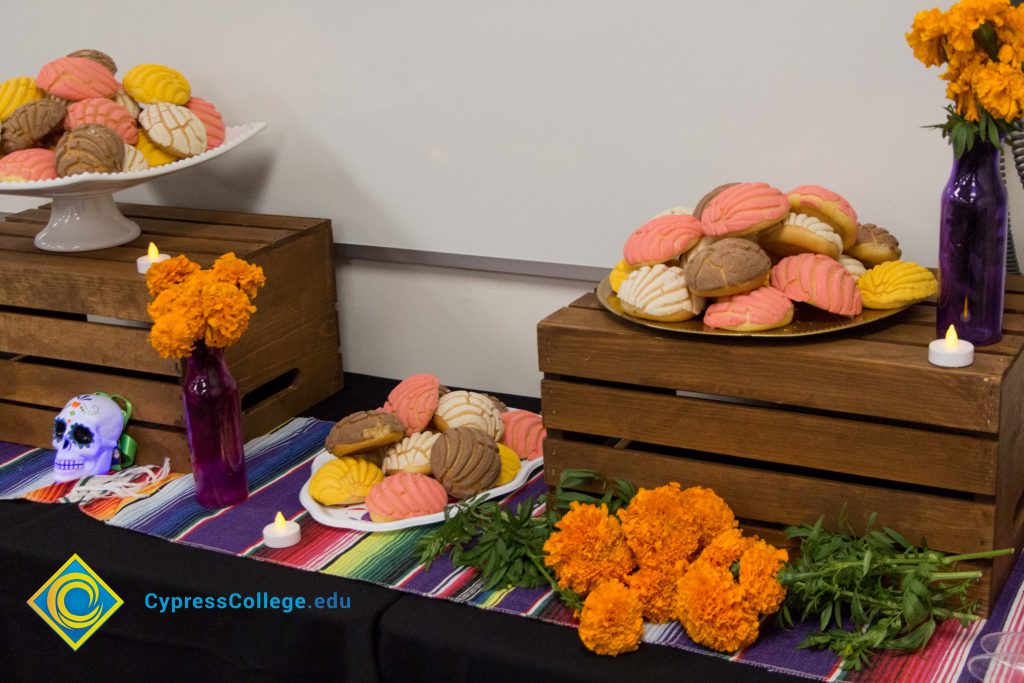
384,635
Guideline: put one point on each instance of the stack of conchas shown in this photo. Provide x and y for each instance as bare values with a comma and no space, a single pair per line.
425,446
76,117
755,250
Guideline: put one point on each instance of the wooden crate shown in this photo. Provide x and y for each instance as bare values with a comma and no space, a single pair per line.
57,338
788,430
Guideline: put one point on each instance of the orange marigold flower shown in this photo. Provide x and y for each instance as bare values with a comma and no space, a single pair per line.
927,37
227,311
1000,90
656,590
710,606
759,572
174,335
661,529
713,514
612,619
587,547
165,274
726,548
233,270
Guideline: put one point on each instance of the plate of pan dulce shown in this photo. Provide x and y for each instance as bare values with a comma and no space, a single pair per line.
428,448
751,260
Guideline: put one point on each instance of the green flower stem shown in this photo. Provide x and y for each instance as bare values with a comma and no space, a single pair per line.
985,554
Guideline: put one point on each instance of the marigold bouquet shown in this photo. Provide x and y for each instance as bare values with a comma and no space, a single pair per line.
672,553
981,43
192,305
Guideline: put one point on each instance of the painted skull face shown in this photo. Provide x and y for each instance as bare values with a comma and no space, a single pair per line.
85,435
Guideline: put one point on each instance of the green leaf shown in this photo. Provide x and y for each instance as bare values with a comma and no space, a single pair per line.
896,536
823,619
959,140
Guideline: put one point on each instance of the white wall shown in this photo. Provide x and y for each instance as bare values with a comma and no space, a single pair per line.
470,328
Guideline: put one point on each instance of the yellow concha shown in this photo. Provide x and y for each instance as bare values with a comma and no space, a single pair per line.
153,155
15,92
896,283
149,83
619,273
344,481
510,465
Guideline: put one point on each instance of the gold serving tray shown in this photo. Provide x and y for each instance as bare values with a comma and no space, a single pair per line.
807,320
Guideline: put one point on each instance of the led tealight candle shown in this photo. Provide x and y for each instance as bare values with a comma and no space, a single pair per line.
154,256
951,352
281,533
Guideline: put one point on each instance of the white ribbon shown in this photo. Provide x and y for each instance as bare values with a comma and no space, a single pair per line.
123,484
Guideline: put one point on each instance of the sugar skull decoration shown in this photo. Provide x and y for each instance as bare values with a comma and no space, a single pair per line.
88,437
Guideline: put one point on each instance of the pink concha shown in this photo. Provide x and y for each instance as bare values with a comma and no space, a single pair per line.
76,78
661,239
744,208
818,280
414,401
761,307
404,495
524,433
211,118
30,164
104,112
815,195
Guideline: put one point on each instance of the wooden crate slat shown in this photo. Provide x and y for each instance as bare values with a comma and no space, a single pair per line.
950,524
955,461
33,426
919,336
157,227
80,285
591,344
216,217
93,343
158,402
1013,323
120,254
205,248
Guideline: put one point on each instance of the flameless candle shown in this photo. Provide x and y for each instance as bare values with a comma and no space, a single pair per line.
281,533
154,256
951,352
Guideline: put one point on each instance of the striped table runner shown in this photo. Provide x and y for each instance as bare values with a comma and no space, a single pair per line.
278,464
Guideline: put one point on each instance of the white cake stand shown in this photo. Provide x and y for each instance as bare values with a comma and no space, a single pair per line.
84,216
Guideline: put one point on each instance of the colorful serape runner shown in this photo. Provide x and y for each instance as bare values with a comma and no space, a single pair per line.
278,466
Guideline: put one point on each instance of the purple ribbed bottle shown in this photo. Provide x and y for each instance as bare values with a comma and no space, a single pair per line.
213,420
972,248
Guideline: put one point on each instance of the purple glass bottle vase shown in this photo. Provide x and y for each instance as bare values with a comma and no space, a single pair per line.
972,248
214,423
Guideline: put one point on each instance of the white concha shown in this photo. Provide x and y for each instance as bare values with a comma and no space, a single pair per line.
126,101
411,454
659,293
853,266
677,211
818,227
174,128
134,160
469,409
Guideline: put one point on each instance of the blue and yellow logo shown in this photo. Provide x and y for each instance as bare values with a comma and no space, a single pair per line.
75,602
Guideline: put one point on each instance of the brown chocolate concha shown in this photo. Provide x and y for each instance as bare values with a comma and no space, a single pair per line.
95,55
465,460
875,245
363,431
32,124
89,148
728,266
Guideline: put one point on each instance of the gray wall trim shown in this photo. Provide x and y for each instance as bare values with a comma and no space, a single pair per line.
490,264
